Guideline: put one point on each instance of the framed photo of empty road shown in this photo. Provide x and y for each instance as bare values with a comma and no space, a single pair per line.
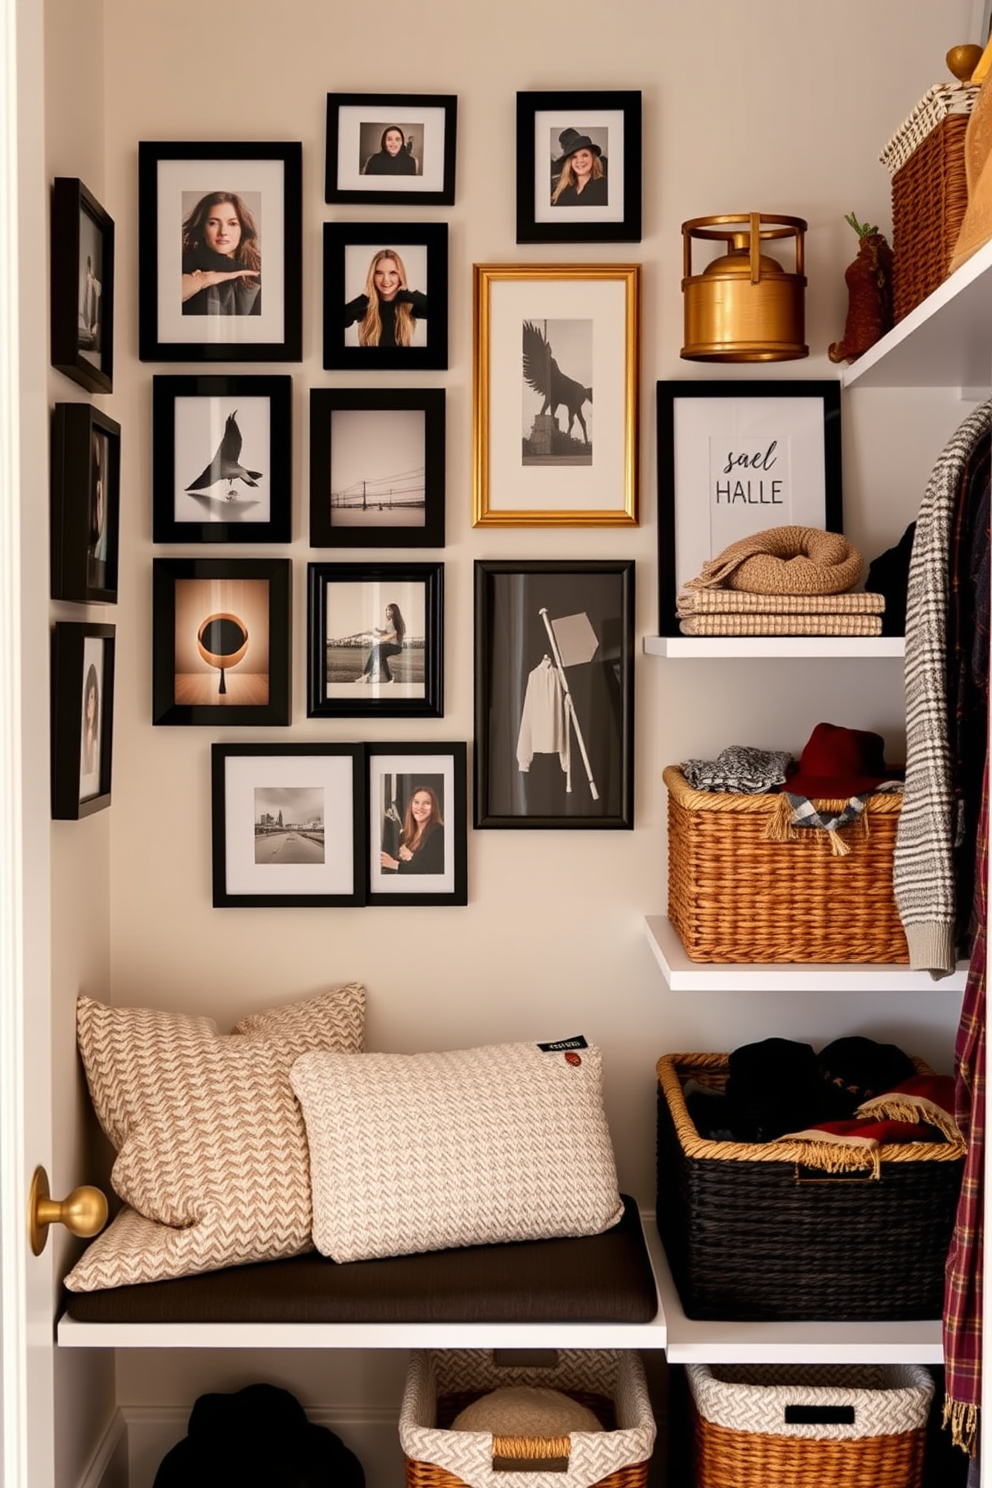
288,825
549,340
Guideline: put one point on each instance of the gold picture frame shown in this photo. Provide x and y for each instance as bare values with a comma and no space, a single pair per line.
546,336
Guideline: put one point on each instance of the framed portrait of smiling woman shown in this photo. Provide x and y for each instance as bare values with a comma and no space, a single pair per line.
385,148
220,266
579,167
386,295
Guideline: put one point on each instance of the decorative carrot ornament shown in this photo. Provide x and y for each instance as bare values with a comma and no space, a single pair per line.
869,291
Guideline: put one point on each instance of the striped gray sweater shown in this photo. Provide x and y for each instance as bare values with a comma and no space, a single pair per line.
923,870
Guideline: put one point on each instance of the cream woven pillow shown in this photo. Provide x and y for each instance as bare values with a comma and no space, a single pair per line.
211,1151
415,1152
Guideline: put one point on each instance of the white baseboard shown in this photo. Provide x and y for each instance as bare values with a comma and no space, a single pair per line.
108,1467
371,1433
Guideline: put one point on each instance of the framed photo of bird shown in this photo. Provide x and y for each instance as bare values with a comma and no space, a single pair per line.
220,278
221,641
222,459
549,340
579,167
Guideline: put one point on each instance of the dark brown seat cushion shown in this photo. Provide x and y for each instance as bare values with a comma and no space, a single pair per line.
595,1279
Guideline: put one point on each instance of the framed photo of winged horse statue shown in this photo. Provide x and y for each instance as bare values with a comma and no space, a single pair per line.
555,395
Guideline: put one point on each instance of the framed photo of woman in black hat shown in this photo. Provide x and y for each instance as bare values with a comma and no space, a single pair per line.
579,167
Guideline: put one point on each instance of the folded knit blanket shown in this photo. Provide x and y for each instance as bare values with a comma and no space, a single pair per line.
784,625
785,560
739,769
737,602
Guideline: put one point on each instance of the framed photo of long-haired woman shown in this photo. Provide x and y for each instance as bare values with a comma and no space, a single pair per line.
386,296
417,823
221,276
82,718
579,167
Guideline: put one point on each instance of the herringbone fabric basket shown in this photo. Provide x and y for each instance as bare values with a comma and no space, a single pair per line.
752,1233
440,1382
734,895
836,1427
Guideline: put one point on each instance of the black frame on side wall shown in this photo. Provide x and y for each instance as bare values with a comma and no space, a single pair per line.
79,491
288,875
535,620
71,352
225,459
576,224
386,581
166,574
829,513
416,764
153,345
340,288
68,686
393,108
324,532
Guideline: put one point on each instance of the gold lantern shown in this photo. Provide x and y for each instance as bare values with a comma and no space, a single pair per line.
744,306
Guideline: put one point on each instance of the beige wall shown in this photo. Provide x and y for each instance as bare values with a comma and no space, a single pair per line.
760,107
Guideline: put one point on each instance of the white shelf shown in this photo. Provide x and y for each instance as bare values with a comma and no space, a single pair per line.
945,342
693,1342
683,975
701,648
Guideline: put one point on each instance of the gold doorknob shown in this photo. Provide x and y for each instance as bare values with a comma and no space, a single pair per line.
84,1211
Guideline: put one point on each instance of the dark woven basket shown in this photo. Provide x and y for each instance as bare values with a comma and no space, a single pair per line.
750,1233
929,197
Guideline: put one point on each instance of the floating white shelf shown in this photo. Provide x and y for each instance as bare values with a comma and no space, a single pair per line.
683,975
701,648
945,342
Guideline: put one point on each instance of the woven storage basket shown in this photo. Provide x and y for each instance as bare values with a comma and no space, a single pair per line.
835,1427
441,1382
733,895
929,192
752,1232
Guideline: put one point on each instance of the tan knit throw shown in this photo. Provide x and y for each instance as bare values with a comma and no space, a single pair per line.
785,560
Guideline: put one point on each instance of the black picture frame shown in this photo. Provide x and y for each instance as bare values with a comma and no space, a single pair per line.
377,467
82,298
357,126
691,528
246,604
346,604
350,249
436,873
173,178
82,661
540,625
608,126
270,804
212,429
85,504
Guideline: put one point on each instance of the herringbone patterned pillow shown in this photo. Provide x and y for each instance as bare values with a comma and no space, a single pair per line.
211,1150
417,1152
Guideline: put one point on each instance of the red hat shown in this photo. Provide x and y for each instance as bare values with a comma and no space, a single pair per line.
838,763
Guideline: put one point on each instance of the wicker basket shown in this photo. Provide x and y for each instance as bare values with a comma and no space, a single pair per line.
836,1427
752,1233
929,192
441,1382
733,895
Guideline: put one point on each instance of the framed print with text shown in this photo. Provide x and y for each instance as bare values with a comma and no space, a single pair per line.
578,167
548,341
736,458
417,829
220,273
82,718
386,148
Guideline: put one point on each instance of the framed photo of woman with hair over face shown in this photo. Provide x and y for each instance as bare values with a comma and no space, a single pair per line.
579,167
417,826
82,718
220,274
385,296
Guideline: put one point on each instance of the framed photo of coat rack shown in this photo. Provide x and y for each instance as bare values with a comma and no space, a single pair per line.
554,694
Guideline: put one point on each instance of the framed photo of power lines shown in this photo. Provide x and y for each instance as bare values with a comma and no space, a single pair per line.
377,468
549,340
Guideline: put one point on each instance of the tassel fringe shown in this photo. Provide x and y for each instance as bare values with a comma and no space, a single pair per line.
963,1420
780,828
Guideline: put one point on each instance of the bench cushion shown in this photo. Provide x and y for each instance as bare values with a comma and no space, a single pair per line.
595,1278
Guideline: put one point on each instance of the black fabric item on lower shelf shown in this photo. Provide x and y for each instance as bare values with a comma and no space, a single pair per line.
592,1279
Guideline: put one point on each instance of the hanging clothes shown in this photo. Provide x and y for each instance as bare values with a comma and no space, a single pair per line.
543,724
930,818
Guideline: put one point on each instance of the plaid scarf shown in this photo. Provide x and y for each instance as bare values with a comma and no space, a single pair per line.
963,1274
805,814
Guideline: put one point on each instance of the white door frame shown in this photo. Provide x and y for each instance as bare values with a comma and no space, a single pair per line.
27,1440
